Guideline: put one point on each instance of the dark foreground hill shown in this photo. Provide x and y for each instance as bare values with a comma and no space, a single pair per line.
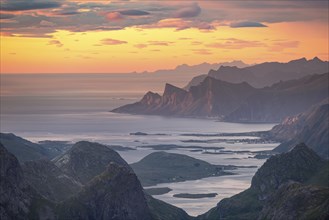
85,160
291,185
113,193
18,199
283,188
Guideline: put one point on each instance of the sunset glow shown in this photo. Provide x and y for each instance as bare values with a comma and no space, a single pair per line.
99,37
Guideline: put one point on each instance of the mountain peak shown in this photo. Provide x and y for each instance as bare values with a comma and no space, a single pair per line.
301,147
316,59
151,98
170,89
3,150
226,68
116,193
301,60
87,159
298,165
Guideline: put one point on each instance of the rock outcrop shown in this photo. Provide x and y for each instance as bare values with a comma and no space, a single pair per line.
297,201
310,127
212,98
18,200
298,165
85,160
49,181
114,194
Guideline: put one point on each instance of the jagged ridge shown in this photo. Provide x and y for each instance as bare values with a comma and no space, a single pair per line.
234,102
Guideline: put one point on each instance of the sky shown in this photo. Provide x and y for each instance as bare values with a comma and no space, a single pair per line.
72,36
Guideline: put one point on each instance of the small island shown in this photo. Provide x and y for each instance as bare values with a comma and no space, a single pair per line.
195,196
157,191
163,167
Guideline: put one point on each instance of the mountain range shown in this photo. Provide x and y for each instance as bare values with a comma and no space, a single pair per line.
296,179
265,74
41,190
196,69
234,102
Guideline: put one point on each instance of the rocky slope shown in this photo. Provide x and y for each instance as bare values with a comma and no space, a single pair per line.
234,102
86,160
310,127
300,202
298,165
164,211
49,181
212,98
17,199
283,99
270,196
114,194
162,167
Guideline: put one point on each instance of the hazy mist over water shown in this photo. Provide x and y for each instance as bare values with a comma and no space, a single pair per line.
63,93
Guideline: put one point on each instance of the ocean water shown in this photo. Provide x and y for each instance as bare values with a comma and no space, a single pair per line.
115,129
49,109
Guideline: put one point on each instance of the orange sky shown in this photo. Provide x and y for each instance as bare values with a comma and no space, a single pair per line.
76,37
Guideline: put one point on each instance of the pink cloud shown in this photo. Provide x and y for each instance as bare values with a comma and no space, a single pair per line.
188,11
114,16
233,43
202,51
160,43
179,24
153,43
281,45
109,41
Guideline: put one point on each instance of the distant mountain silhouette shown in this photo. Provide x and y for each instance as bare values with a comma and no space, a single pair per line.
197,69
235,102
266,74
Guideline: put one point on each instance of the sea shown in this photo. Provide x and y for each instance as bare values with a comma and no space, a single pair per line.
75,107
